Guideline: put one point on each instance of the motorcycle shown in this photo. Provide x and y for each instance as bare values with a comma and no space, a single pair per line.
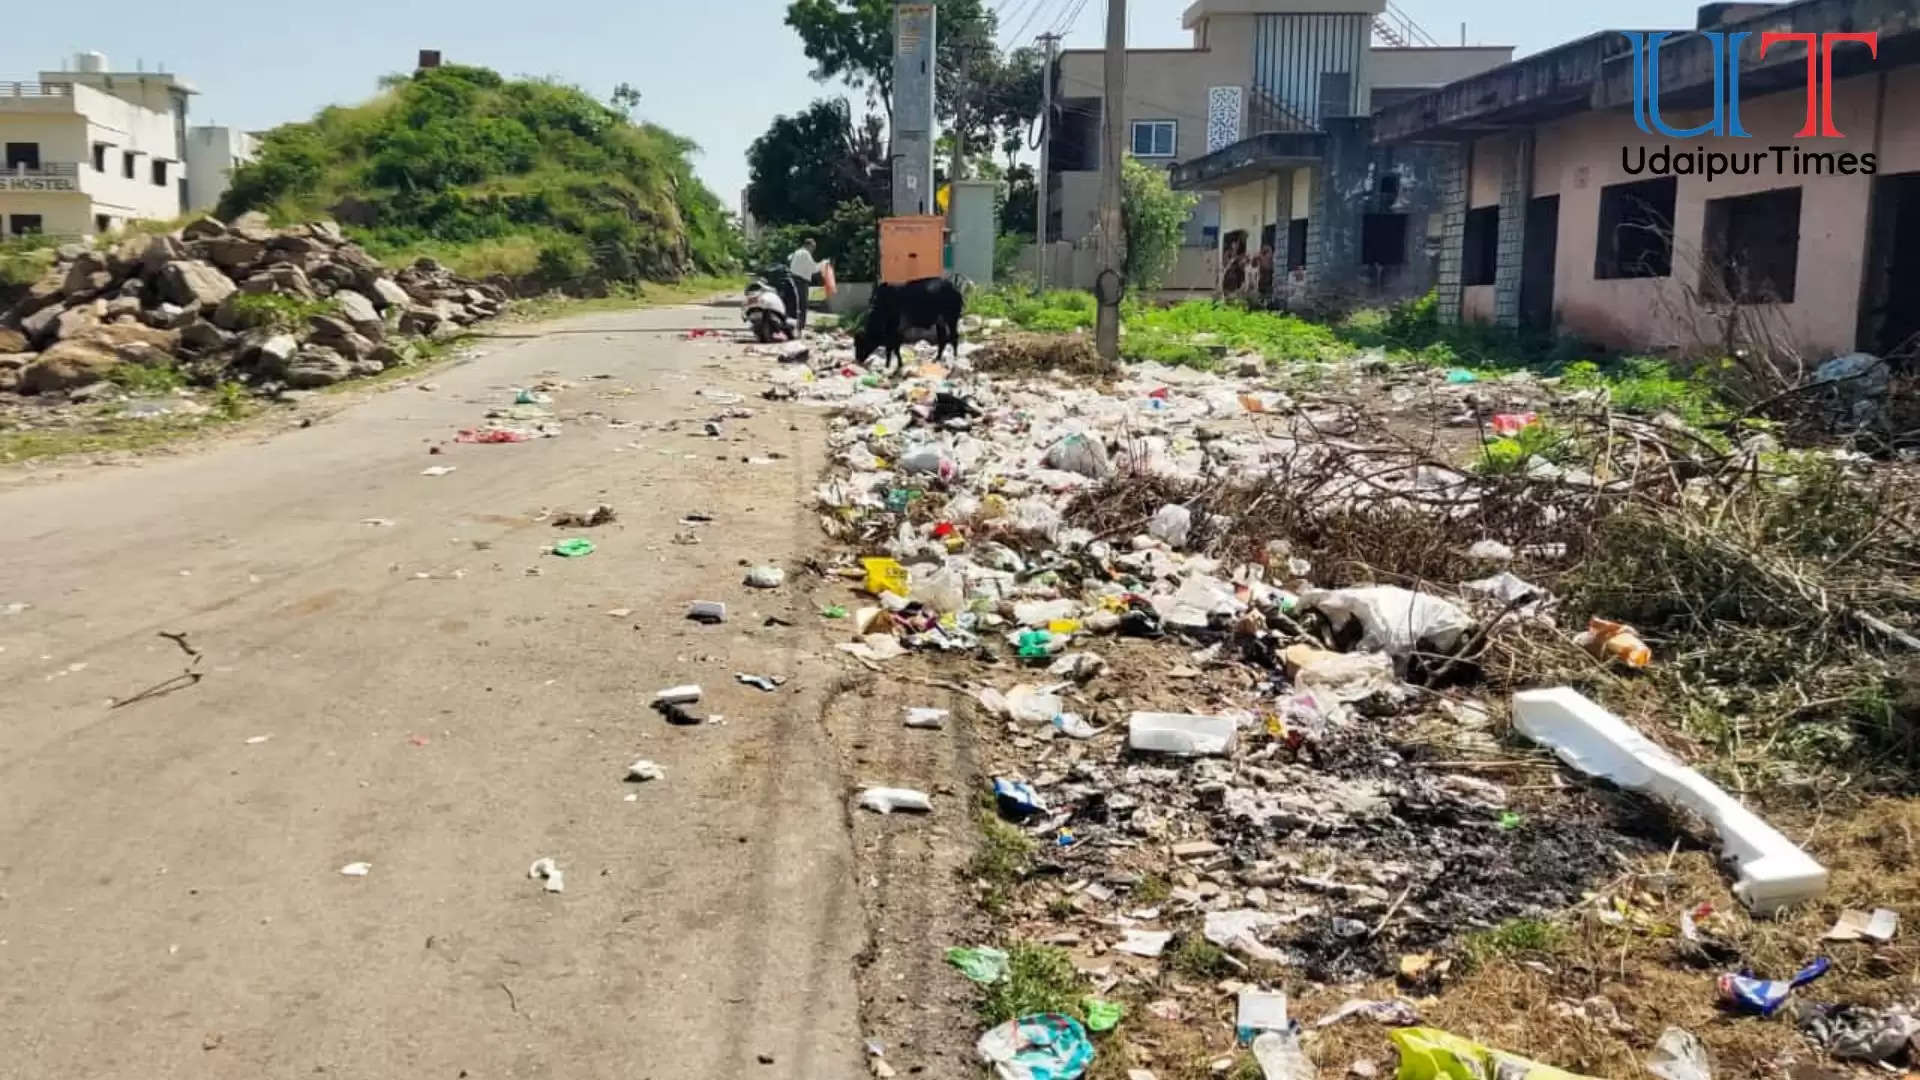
767,311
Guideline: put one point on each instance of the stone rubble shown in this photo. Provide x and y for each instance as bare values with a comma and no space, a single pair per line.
177,300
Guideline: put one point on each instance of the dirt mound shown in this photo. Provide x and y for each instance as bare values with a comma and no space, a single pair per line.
1072,353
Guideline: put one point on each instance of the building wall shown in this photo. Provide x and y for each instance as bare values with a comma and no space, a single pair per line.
212,154
68,127
1577,157
60,214
1162,84
1078,197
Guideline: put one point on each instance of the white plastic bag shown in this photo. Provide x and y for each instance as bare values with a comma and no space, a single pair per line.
886,800
1393,620
1171,524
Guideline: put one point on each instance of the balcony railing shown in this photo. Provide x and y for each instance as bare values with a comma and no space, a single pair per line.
35,90
1267,113
45,168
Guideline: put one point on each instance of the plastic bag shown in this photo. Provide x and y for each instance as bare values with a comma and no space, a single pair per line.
1079,454
1432,1054
1171,524
1041,1046
943,590
887,575
886,800
1393,620
1281,1058
983,964
1679,1056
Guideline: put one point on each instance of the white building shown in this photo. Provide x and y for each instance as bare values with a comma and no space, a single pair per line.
212,155
90,149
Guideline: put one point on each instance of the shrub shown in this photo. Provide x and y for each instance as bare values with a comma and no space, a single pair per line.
1152,216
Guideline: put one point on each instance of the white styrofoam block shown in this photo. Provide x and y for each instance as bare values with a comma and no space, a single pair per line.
1773,871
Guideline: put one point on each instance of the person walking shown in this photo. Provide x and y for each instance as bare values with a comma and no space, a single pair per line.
801,269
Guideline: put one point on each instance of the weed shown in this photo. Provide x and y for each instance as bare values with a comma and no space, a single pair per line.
1152,889
1246,1067
1040,978
1511,938
284,313
230,400
144,379
1003,858
1511,455
1197,958
1061,907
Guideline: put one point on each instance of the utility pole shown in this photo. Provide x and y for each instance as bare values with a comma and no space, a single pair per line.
1107,289
957,168
913,75
1051,41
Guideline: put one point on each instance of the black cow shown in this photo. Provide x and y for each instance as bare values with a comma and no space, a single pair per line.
924,310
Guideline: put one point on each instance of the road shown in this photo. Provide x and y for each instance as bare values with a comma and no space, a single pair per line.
171,895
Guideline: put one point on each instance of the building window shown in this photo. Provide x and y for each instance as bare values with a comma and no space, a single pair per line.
1480,252
23,155
102,223
23,224
126,164
99,157
1383,240
1636,230
1297,244
1336,94
160,174
1753,244
1153,138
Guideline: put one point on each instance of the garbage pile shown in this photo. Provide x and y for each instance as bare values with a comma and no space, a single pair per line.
298,307
1234,766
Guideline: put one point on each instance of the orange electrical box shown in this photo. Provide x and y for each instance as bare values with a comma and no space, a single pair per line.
910,248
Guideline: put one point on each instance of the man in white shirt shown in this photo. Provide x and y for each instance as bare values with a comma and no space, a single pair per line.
800,268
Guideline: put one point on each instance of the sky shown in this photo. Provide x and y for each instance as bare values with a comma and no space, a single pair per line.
716,71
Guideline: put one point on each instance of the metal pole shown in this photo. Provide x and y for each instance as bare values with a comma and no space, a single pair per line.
1107,289
1046,136
914,33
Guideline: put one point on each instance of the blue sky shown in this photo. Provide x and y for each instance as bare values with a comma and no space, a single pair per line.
716,71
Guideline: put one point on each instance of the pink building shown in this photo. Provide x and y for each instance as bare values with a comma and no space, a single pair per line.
1565,213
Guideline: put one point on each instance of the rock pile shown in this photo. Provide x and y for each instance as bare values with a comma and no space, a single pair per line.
327,309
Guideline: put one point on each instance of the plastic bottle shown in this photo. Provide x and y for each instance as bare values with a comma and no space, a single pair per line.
1610,640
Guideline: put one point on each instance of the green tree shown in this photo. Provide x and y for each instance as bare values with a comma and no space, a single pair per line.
625,98
806,165
852,40
1152,218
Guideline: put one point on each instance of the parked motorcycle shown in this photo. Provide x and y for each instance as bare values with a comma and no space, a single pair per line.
767,311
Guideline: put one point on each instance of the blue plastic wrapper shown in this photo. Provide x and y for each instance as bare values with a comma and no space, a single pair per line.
1765,996
1017,799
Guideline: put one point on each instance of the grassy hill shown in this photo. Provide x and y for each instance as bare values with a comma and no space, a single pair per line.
530,179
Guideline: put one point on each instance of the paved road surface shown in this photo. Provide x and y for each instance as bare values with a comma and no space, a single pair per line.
171,902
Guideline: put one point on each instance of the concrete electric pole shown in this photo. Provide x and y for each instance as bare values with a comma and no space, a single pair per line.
1051,42
1113,241
913,75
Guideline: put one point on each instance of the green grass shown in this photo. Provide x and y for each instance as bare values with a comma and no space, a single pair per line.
142,379
1040,978
107,435
1004,856
1152,889
1198,958
1510,455
285,313
1514,937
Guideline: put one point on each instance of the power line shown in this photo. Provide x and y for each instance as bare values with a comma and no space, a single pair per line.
1039,6
1066,25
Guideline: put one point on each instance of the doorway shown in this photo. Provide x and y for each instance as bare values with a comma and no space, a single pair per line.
1890,306
1537,250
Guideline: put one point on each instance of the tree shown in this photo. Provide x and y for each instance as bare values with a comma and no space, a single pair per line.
805,166
1017,216
852,40
626,98
1152,216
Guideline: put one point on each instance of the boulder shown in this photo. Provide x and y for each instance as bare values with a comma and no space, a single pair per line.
76,321
168,316
12,341
327,233
235,252
317,365
203,228
284,279
133,287
69,252
203,336
324,327
359,311
387,356
161,250
11,368
419,320
332,276
86,275
294,243
367,366
188,282
69,364
270,352
127,306
252,225
40,325
386,294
